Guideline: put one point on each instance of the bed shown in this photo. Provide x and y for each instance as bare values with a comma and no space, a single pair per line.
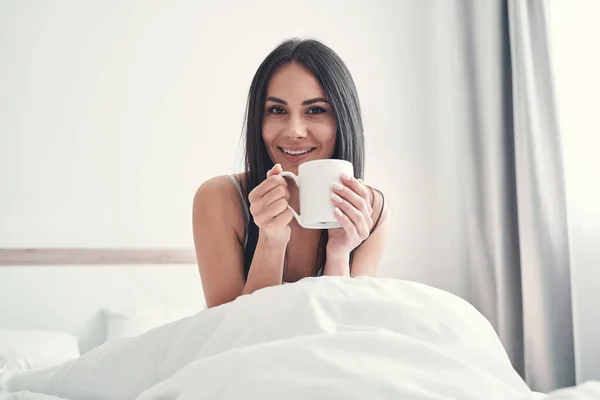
92,295
326,338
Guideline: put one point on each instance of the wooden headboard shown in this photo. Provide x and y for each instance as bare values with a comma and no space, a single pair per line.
95,256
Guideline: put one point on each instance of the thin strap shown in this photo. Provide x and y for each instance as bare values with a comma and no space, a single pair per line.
383,209
245,210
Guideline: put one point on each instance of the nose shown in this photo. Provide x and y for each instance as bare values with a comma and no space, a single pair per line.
296,129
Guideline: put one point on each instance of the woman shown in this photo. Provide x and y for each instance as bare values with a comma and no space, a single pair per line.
302,106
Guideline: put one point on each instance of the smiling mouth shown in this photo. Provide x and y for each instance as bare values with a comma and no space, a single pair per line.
297,152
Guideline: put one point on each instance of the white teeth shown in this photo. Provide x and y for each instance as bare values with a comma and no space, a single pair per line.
296,153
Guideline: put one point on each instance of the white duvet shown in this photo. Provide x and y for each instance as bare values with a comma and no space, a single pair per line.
320,338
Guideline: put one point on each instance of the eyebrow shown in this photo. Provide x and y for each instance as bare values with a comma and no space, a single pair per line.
304,103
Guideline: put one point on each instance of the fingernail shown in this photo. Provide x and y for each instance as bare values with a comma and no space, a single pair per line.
361,181
336,198
337,185
346,177
338,211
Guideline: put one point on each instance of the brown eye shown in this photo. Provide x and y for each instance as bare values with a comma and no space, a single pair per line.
276,110
316,110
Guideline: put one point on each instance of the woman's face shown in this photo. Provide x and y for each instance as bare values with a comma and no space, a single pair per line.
298,123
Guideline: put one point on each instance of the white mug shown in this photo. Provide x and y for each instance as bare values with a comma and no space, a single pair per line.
315,183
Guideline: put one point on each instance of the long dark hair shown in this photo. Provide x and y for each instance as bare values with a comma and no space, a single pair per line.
340,90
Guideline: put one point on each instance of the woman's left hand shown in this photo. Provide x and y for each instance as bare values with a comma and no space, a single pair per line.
353,211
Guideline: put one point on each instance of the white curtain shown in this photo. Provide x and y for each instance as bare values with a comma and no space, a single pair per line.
541,198
514,197
576,62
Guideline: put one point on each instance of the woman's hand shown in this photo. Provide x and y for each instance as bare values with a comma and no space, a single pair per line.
353,211
269,207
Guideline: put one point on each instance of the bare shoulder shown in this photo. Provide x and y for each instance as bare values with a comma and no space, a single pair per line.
379,203
217,199
220,185
214,190
218,226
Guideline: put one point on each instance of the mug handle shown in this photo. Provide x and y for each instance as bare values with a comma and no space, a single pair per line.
294,177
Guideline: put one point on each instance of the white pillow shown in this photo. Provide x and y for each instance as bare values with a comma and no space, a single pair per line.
127,322
28,349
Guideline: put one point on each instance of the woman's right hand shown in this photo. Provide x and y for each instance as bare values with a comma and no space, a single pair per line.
269,207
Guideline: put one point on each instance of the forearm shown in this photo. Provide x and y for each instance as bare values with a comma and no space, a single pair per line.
267,265
337,265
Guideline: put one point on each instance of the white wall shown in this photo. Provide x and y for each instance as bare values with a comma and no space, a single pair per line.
112,113
576,61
